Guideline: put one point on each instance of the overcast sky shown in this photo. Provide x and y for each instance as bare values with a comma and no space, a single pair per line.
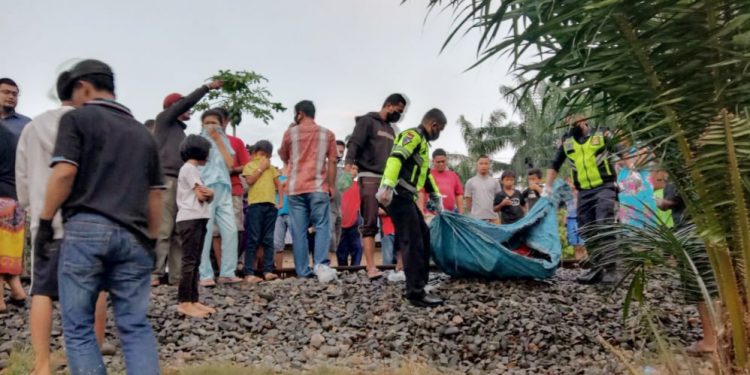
344,55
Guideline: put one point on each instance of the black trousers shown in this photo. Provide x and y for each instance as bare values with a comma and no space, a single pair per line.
413,238
595,207
191,234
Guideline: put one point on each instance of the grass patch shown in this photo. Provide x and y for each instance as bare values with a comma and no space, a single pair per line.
21,362
406,368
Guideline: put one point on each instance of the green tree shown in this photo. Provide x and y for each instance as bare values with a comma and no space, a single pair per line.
676,72
465,164
535,138
242,92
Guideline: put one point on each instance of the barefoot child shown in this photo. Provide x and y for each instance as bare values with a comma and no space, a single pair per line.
192,217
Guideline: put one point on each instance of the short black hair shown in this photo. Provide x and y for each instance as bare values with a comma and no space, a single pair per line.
439,152
100,81
306,107
8,81
224,113
149,124
395,99
340,143
435,115
483,156
212,112
194,147
508,174
534,172
265,146
63,93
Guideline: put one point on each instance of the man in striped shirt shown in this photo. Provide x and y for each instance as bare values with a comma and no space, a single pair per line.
310,151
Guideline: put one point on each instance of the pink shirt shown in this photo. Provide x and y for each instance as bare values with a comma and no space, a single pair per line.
241,157
307,149
449,185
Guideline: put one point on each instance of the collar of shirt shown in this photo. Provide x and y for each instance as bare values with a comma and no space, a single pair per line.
110,104
12,115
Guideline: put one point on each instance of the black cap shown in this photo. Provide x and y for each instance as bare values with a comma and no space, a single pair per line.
90,66
264,146
62,83
84,68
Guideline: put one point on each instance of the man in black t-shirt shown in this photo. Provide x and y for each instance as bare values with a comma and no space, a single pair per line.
107,178
509,201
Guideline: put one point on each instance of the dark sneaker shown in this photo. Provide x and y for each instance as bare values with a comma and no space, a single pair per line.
426,300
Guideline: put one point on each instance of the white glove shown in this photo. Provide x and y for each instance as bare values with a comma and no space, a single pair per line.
435,203
384,195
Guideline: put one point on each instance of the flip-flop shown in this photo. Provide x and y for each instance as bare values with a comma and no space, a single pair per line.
208,283
375,276
252,279
17,302
694,350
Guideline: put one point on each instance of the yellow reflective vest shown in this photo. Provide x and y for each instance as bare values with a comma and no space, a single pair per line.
590,160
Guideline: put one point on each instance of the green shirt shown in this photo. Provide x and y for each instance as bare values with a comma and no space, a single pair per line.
665,216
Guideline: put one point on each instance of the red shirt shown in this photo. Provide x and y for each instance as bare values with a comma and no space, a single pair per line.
241,157
450,186
307,148
350,206
386,223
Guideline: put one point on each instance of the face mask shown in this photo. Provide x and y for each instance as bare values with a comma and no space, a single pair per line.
393,117
434,135
577,131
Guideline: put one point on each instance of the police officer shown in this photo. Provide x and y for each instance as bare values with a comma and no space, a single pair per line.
589,153
407,171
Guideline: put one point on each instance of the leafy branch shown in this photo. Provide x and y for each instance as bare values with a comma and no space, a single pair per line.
242,92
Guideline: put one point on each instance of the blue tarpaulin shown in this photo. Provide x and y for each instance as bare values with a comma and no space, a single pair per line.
466,247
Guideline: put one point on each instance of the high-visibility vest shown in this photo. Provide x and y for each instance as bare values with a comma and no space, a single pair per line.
408,166
589,161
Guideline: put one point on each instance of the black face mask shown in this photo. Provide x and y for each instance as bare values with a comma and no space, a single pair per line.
577,132
434,134
393,117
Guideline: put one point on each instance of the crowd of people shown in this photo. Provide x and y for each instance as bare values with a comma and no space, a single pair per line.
115,207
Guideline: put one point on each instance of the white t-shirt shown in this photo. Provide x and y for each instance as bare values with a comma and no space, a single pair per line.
188,205
482,190
33,156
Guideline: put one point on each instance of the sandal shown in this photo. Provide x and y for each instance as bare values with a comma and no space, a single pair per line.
696,350
208,283
252,279
270,276
21,302
374,276
229,280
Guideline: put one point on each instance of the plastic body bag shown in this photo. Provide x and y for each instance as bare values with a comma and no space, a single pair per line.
467,247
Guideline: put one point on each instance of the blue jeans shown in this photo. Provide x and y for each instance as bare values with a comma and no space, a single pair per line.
222,213
387,247
350,247
305,210
99,254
